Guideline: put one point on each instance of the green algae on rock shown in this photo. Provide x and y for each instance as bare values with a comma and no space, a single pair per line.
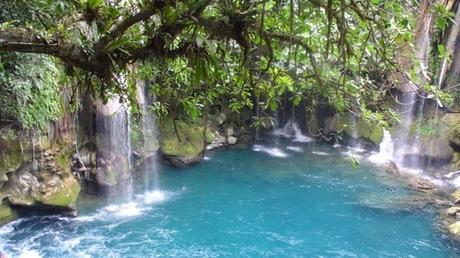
181,143
359,128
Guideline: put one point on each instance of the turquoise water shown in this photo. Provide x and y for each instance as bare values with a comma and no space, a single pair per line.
302,200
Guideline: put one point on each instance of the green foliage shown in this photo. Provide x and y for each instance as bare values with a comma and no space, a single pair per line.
246,54
29,91
443,16
430,128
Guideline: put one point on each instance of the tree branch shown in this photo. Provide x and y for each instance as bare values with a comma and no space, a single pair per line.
125,24
25,41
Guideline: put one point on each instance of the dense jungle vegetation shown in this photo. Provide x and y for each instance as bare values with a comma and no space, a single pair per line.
349,53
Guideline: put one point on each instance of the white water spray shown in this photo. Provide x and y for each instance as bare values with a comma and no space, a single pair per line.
386,150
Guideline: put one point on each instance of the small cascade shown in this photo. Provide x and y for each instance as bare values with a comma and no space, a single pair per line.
113,141
148,120
355,144
386,150
292,130
298,136
149,133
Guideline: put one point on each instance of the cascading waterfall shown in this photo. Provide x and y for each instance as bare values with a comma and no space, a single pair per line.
386,150
149,132
408,136
113,141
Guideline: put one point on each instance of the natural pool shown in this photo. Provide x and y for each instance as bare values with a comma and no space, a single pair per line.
296,200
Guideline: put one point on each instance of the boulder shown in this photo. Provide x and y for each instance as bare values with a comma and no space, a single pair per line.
393,169
230,131
420,184
453,211
452,123
52,187
6,213
221,118
10,154
356,128
231,140
432,151
454,228
181,145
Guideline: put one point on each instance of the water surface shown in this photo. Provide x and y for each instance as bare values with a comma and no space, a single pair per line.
294,200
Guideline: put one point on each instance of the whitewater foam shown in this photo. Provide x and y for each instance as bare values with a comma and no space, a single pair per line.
156,196
124,210
386,150
29,254
319,153
294,148
273,151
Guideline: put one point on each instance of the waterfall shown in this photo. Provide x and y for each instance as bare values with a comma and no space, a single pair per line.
410,105
354,142
113,141
292,130
386,150
298,136
149,133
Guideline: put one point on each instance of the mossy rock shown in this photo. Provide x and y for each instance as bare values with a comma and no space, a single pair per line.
7,214
209,136
10,153
346,123
188,143
65,195
452,124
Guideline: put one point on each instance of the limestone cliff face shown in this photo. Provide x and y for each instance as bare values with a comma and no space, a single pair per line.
36,178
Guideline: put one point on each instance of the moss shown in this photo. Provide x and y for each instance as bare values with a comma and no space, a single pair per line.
62,160
451,128
371,133
63,196
209,136
10,153
6,213
190,140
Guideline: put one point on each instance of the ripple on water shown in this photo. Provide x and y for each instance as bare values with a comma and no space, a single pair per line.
244,203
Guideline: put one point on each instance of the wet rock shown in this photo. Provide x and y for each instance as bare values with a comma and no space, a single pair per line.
441,202
182,144
45,189
6,213
452,123
393,169
453,211
355,128
183,161
245,139
10,153
221,118
421,184
456,196
454,228
432,152
396,203
230,131
231,140
217,141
